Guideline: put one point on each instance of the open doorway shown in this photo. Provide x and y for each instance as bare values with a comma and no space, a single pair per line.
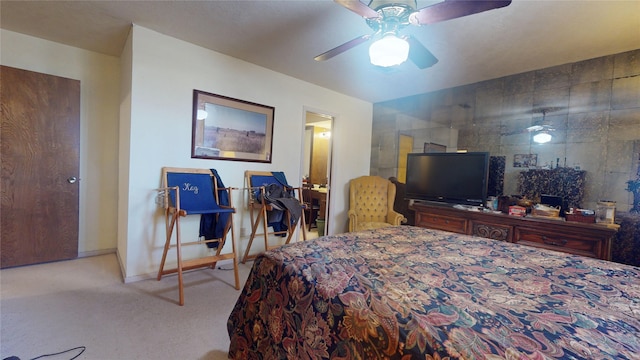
317,169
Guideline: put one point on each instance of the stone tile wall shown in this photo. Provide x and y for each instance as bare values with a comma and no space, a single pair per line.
593,105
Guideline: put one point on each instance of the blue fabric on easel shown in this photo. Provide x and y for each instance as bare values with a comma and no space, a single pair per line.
279,175
276,218
212,226
196,192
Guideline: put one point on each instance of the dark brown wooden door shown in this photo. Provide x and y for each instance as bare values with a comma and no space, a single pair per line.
40,164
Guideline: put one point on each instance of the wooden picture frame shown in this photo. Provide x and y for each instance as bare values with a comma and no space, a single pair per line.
225,128
525,160
433,147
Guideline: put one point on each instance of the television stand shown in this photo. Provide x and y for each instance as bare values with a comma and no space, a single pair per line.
590,240
467,207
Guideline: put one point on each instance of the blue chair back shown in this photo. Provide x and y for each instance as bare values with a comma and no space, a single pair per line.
276,177
263,180
196,192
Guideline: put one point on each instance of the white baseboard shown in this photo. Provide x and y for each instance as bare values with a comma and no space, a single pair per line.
96,253
132,279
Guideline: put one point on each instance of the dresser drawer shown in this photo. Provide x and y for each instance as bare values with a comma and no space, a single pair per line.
558,241
491,230
440,222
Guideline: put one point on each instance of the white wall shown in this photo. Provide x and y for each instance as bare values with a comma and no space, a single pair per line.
99,87
165,71
123,150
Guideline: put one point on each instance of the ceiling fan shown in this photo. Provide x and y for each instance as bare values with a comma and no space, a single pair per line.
536,128
388,17
531,129
541,133
540,129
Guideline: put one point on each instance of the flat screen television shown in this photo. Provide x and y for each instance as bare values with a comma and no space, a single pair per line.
454,178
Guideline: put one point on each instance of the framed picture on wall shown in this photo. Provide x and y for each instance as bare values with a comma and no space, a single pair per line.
431,147
230,129
525,160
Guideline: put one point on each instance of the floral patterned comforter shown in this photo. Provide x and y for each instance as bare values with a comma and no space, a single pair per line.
411,293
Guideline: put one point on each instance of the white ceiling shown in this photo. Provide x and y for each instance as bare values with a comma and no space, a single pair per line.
285,36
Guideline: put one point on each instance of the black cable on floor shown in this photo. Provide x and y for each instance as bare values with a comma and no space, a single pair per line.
82,349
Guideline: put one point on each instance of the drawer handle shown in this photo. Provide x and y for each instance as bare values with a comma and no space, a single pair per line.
553,242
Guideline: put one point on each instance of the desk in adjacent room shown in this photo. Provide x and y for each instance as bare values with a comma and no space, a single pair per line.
320,194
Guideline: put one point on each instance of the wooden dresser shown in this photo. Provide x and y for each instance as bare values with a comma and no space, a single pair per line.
571,237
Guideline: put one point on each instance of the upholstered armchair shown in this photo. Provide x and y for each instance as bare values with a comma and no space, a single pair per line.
371,201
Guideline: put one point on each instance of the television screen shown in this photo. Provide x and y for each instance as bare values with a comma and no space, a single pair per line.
456,178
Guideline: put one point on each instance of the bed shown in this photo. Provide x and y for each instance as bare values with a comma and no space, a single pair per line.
411,293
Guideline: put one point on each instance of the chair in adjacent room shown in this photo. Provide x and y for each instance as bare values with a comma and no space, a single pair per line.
371,200
275,204
311,208
187,192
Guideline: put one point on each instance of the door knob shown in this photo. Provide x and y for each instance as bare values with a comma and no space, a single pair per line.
72,180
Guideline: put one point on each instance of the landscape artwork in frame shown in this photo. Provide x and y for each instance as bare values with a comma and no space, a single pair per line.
230,129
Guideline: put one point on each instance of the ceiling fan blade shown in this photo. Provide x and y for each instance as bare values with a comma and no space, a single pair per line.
342,48
535,128
419,55
451,9
359,8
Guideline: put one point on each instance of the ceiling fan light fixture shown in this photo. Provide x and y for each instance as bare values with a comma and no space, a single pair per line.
389,51
542,137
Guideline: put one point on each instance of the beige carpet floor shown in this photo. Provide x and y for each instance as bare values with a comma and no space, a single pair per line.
50,308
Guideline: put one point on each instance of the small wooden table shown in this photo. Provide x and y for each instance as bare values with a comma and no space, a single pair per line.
320,194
